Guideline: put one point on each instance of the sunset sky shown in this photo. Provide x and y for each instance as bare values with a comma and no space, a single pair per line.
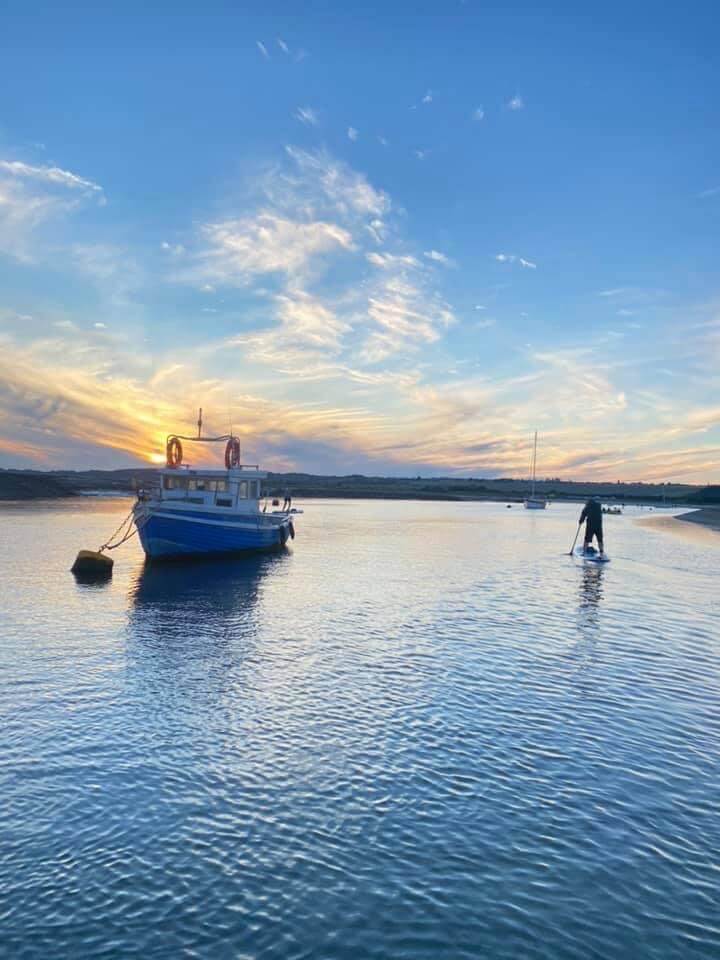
390,241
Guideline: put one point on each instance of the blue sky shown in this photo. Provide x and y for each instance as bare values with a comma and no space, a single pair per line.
379,238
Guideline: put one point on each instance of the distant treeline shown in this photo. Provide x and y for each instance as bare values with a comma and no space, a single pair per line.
709,494
36,484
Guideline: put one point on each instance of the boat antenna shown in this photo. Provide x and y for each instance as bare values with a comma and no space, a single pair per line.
200,423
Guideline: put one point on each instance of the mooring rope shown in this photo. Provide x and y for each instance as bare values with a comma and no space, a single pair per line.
126,533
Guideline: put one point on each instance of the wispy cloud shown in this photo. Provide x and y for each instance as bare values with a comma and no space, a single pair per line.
406,317
263,49
336,343
352,134
76,394
347,190
283,46
512,258
306,320
377,230
428,98
176,249
516,103
237,249
51,175
388,261
478,113
634,296
437,257
308,116
33,196
711,192
308,213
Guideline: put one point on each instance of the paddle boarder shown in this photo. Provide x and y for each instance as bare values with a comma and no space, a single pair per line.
592,516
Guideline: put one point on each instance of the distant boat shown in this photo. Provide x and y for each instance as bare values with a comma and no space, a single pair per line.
199,511
533,502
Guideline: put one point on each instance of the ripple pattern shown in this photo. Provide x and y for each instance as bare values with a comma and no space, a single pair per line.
422,732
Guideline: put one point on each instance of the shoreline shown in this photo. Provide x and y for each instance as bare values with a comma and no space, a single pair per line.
699,526
705,516
513,499
36,484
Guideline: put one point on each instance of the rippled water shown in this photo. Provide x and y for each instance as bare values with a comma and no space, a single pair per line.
422,732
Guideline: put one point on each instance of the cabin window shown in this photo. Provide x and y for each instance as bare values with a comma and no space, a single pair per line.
175,483
242,490
221,486
223,502
198,484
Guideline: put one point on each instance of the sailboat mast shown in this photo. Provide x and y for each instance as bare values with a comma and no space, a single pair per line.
534,464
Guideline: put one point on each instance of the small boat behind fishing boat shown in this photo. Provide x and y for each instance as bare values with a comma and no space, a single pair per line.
199,511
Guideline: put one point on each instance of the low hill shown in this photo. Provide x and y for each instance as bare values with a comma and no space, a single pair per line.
709,494
34,484
26,485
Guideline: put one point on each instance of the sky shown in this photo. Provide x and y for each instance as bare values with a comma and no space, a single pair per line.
377,237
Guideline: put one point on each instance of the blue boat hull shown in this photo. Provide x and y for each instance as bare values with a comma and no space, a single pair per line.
167,535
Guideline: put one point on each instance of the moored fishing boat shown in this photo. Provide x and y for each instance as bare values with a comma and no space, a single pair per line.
204,511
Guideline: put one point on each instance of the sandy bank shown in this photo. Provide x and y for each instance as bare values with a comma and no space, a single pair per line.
690,526
706,517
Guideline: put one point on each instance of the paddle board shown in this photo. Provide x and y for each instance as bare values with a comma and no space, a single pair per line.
591,555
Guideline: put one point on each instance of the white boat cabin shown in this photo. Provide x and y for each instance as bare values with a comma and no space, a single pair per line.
238,489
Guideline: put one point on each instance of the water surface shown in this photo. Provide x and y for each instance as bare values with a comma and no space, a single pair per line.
422,732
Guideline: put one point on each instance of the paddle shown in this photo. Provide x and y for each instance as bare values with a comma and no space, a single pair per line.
577,532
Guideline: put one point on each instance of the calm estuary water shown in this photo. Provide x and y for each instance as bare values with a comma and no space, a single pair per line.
422,732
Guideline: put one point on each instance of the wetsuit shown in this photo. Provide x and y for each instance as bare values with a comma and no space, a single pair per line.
592,515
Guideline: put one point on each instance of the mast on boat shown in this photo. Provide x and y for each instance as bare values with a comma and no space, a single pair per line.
533,502
534,464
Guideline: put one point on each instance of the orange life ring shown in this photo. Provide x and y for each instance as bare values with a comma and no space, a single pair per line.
174,452
232,453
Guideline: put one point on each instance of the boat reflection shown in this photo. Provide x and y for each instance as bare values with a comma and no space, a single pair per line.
199,599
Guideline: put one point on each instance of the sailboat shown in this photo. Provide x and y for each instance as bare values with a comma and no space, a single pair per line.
533,502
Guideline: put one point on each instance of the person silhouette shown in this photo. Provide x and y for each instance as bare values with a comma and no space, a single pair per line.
592,517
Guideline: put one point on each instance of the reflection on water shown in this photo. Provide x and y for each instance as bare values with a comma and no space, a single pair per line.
591,590
190,594
192,612
90,582
423,733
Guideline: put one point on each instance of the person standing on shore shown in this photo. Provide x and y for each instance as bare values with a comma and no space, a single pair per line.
592,516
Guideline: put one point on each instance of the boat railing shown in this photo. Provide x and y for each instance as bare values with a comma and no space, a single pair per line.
188,467
149,491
